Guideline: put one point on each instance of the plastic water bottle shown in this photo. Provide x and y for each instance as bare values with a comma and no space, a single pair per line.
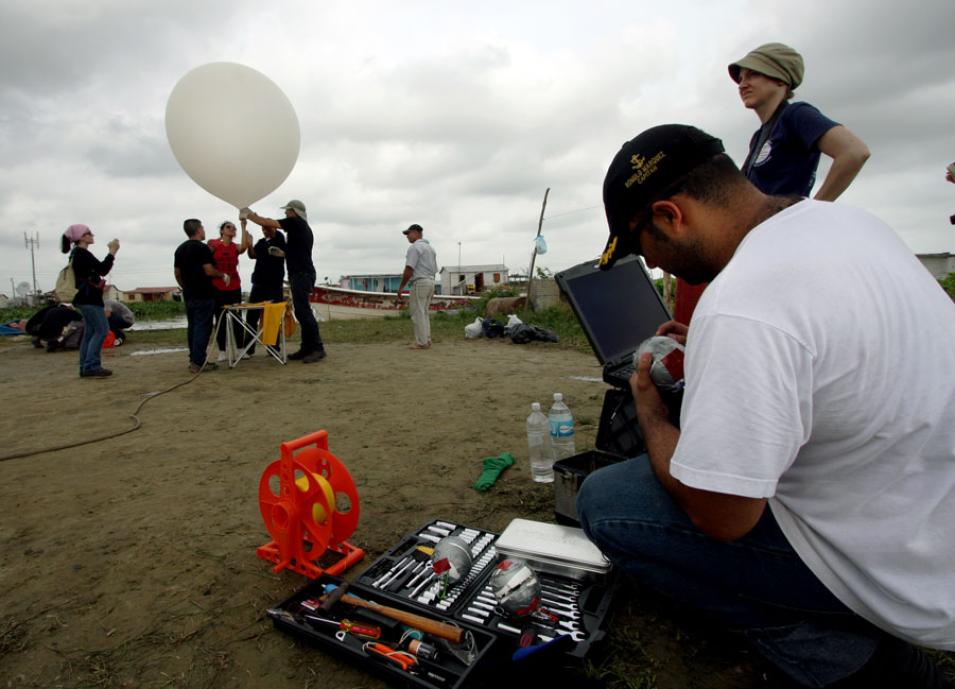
561,429
538,445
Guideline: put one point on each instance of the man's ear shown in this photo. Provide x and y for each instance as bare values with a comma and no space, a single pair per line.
666,214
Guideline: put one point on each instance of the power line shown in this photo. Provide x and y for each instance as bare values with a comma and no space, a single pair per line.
578,210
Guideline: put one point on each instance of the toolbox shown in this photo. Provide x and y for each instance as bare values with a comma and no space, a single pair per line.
582,598
575,605
379,643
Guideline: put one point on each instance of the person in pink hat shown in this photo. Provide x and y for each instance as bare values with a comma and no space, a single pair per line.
89,272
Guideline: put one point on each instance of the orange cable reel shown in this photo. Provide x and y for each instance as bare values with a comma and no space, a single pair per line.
309,504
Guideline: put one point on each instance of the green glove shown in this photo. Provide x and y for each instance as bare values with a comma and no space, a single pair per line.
493,466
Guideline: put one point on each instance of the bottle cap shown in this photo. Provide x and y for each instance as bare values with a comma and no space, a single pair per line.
535,406
558,397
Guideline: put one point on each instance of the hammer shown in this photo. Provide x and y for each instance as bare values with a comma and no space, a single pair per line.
425,624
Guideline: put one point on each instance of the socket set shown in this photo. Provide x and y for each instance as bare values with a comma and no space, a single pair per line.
405,572
386,637
568,607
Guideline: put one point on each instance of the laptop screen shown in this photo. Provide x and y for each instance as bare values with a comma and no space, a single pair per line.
617,308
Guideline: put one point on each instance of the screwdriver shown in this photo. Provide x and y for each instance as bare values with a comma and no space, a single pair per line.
364,631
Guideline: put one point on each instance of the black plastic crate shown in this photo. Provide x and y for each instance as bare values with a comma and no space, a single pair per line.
569,474
437,664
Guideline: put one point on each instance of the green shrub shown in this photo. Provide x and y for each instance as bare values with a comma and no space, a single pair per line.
948,284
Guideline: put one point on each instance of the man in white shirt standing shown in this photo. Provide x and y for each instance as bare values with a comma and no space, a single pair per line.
819,368
421,265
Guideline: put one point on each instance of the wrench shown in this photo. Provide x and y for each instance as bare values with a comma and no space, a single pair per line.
549,602
568,614
576,635
563,595
566,589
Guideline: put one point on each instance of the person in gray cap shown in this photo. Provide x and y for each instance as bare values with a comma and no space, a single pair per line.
784,152
421,264
806,498
301,273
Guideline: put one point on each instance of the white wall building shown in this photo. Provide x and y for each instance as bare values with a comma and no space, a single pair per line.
939,265
462,280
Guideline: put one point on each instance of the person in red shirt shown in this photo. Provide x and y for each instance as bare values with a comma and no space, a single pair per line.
226,254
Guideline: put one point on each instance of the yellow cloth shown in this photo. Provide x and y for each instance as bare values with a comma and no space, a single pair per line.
272,315
289,323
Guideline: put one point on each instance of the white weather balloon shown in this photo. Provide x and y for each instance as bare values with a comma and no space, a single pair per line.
233,131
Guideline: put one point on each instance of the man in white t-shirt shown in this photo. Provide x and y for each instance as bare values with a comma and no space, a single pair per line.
820,383
421,264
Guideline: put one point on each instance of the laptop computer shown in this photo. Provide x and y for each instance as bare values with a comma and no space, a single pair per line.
617,309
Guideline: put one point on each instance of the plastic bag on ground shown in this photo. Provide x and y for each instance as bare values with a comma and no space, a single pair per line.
512,322
525,333
475,329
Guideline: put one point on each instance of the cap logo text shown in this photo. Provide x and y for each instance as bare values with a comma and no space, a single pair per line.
643,168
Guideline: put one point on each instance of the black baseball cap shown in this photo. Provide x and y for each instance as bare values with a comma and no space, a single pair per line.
645,170
414,228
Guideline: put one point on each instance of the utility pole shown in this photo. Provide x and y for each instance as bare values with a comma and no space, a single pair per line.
32,243
459,257
530,271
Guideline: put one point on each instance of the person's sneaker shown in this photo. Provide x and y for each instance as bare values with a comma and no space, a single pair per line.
300,354
96,373
312,357
118,341
222,356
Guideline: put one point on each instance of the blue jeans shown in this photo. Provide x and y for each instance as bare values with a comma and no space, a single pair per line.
756,585
95,328
301,285
199,327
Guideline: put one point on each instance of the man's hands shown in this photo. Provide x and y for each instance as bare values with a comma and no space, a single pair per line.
674,330
244,213
651,409
227,279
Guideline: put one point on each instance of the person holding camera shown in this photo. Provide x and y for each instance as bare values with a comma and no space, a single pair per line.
89,272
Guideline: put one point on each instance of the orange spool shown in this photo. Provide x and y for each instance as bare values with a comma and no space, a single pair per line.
312,512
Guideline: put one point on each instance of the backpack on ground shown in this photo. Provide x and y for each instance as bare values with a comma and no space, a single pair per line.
65,289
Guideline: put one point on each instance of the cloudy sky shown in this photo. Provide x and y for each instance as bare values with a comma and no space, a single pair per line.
455,116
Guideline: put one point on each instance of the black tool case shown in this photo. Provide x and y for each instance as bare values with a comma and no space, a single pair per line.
447,670
465,601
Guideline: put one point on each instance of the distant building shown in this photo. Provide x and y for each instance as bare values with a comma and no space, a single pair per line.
143,294
113,292
380,282
4,301
463,280
939,265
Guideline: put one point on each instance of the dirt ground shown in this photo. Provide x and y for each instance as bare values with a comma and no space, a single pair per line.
131,562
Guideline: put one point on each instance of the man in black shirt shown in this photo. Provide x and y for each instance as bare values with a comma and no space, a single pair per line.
269,273
195,269
301,273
